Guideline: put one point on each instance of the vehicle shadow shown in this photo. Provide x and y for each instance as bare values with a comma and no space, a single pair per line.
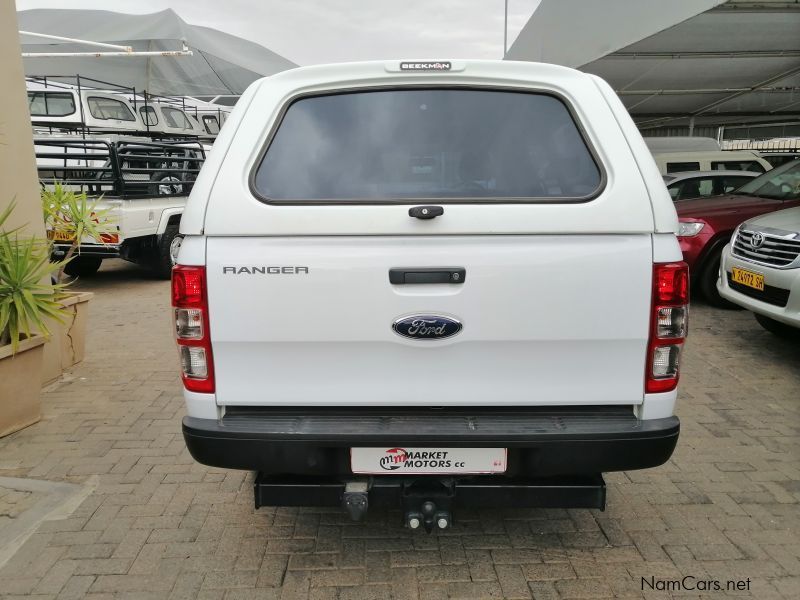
114,271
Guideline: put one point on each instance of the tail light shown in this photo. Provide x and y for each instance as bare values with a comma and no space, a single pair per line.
669,323
190,305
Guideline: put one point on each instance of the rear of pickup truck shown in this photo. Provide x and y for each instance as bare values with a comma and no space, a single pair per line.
451,272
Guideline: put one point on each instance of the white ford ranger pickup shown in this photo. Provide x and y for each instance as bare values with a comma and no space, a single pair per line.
430,283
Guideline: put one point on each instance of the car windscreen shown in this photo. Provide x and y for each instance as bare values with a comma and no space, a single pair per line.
781,183
437,144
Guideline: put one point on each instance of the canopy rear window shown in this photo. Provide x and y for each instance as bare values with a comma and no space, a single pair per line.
439,144
51,104
149,115
109,109
176,118
211,124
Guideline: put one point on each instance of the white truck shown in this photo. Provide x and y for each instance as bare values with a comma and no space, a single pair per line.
430,284
144,183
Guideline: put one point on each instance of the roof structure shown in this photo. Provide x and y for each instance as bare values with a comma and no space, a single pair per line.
679,63
221,64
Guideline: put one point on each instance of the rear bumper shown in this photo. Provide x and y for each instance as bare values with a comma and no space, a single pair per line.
540,442
99,250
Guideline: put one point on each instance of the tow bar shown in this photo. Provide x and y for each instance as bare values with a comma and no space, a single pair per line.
430,502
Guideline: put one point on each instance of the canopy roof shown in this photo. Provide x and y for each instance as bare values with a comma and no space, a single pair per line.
221,64
672,63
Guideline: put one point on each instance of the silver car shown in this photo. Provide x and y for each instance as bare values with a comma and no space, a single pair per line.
760,270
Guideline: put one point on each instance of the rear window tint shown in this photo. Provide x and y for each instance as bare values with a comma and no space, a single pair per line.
737,165
439,144
680,167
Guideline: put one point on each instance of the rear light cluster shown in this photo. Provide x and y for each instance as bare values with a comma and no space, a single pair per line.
190,304
669,325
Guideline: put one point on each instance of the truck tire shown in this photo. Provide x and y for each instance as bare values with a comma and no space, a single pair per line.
782,330
83,266
162,261
707,282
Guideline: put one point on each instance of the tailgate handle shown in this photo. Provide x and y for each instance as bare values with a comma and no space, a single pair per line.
425,212
419,275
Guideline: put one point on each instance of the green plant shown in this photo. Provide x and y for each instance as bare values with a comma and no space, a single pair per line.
71,216
27,297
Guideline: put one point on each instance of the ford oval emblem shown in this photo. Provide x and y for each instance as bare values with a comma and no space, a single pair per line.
426,327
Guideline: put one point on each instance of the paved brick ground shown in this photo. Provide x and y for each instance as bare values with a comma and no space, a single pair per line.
160,526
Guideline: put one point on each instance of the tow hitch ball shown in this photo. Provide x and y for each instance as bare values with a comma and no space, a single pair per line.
429,517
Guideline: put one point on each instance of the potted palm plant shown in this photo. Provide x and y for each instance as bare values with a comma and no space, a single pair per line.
28,302
71,217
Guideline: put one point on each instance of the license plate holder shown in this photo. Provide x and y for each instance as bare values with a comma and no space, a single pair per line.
428,461
747,278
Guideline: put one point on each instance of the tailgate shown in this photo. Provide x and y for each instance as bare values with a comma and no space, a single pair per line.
545,320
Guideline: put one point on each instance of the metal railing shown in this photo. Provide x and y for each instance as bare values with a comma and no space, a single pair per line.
119,168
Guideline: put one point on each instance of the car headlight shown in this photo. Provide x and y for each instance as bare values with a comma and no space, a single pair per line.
689,228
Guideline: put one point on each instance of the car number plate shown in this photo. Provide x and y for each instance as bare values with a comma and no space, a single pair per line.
427,461
748,278
65,236
59,236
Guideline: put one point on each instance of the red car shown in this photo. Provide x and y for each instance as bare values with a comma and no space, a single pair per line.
706,224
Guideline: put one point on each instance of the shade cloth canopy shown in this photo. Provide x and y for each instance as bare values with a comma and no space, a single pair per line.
221,64
704,61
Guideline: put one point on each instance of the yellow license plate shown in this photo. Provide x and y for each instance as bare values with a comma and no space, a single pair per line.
748,278
58,236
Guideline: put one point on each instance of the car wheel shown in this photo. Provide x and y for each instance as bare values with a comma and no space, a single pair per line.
164,184
83,266
163,260
707,282
175,248
776,327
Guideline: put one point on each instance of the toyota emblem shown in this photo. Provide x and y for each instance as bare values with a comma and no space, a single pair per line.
757,240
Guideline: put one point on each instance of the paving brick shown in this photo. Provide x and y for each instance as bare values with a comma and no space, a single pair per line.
548,571
56,578
583,588
338,577
102,566
76,587
512,581
230,579
482,589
